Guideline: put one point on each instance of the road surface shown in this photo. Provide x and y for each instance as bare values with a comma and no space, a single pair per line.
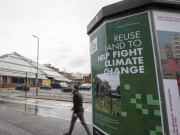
38,117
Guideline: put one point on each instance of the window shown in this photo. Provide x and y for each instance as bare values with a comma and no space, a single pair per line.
175,39
176,43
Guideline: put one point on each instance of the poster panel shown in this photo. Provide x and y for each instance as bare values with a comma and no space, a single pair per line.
124,78
171,90
168,35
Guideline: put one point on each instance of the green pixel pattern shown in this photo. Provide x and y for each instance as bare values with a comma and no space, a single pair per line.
143,109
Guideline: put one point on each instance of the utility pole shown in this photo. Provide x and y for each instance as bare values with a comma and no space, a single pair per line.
63,73
1,74
26,86
37,65
30,75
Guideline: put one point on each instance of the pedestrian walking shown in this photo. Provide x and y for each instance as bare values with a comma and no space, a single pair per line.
78,111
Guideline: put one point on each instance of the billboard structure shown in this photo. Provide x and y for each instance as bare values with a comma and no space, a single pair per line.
135,64
124,78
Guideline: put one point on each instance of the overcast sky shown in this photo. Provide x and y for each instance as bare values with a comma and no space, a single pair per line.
60,25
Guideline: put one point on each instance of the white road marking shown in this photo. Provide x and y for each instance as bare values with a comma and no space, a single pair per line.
89,109
43,100
30,101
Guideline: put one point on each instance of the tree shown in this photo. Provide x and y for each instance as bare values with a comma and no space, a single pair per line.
106,85
118,89
98,82
102,88
97,79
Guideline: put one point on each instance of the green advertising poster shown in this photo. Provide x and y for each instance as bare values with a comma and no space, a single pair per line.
124,79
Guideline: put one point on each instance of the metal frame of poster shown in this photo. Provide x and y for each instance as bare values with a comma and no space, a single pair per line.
125,85
167,27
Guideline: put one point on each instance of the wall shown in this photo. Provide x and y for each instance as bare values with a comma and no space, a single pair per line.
87,79
46,82
10,85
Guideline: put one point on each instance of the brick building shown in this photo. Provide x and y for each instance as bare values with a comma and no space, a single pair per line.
87,78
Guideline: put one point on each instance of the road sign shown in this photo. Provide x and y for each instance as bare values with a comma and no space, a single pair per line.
36,81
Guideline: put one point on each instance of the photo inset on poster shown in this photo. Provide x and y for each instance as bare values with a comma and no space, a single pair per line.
108,94
169,46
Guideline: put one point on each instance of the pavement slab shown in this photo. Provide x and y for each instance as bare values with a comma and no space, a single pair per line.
10,129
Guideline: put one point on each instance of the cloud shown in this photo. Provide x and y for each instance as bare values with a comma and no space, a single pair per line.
60,25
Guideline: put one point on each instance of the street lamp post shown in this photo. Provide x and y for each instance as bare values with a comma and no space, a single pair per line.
37,65
30,74
63,73
63,68
1,75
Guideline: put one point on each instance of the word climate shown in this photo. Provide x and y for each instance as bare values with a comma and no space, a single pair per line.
124,56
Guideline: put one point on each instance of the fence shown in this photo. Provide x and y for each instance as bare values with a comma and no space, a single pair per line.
63,94
60,94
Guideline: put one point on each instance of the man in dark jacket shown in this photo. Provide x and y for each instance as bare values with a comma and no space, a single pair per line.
78,111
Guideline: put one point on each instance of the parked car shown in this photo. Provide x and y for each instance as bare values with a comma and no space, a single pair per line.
55,85
63,85
47,87
89,85
23,87
84,87
68,88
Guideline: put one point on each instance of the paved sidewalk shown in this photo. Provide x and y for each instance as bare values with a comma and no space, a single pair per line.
56,98
13,122
9,129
